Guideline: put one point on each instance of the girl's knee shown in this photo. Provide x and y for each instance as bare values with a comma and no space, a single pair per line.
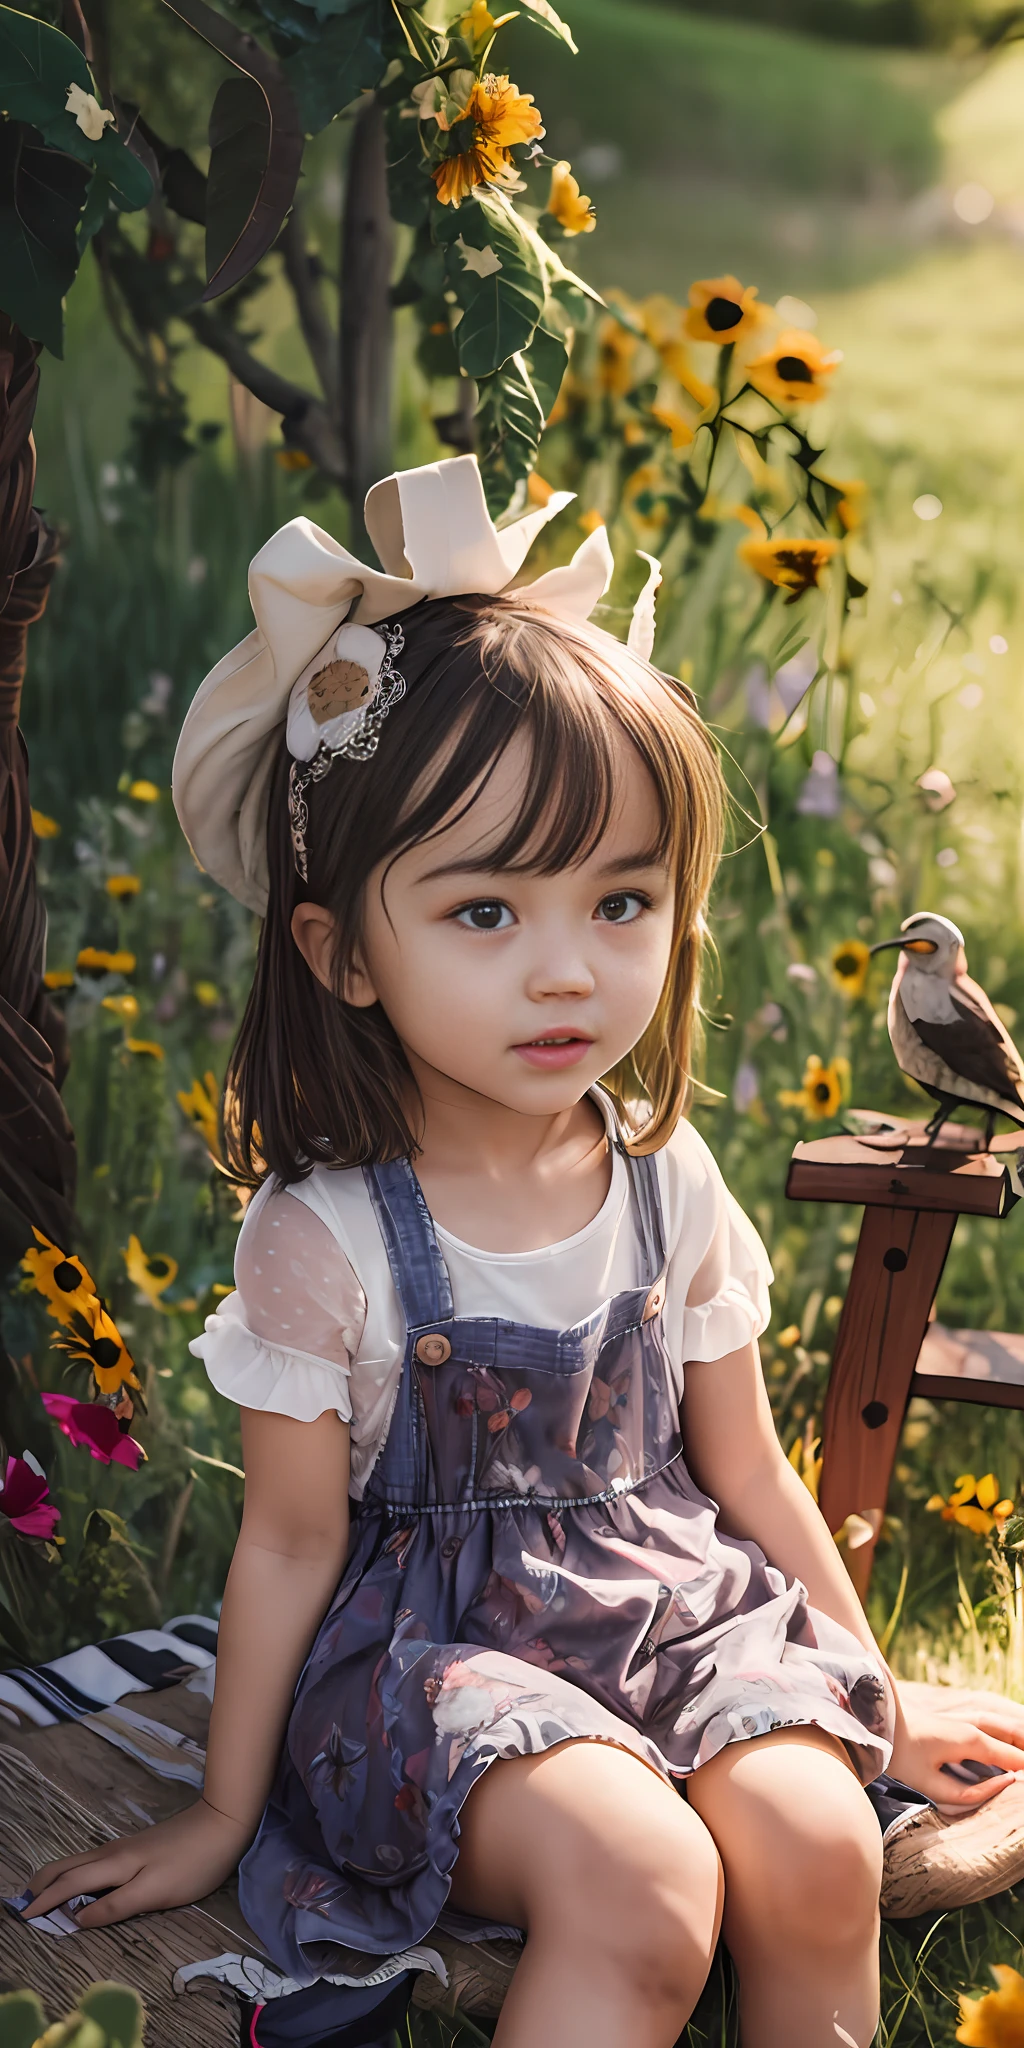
827,1875
649,1912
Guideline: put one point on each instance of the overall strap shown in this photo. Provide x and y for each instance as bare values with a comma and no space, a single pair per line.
414,1255
644,1194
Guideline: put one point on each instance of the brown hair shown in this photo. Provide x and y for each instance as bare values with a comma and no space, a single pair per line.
314,1080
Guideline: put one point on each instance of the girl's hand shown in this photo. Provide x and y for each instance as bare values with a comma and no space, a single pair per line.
928,1740
173,1864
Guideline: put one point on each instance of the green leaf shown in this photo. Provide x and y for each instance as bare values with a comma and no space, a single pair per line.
42,193
545,17
347,59
500,311
547,360
240,134
22,2019
117,2010
98,200
509,423
37,65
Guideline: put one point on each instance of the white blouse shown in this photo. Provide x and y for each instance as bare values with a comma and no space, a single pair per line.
315,1322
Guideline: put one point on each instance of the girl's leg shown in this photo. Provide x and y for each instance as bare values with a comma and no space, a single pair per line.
617,1883
802,1853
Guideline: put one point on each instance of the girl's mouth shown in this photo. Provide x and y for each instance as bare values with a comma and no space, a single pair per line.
555,1049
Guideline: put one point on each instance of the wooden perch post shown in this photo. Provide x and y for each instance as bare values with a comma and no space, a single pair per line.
912,1195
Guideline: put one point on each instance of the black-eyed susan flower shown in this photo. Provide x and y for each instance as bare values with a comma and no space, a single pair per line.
91,1337
570,207
144,1048
850,964
616,350
822,1089
723,310
974,1504
58,977
200,1105
996,2019
481,135
94,960
126,1007
796,370
122,886
44,827
151,1273
65,1284
643,501
144,792
792,565
665,328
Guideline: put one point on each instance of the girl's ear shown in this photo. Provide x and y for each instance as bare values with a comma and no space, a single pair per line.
315,934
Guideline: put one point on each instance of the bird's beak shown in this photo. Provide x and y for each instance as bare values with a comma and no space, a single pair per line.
883,944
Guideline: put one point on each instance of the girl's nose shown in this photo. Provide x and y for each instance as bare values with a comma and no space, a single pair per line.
561,972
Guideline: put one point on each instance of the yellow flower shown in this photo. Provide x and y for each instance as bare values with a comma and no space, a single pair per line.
822,1089
58,977
796,370
537,490
153,1275
792,565
851,505
93,960
201,1106
92,1338
571,208
120,886
207,993
616,347
665,327
479,24
144,792
646,480
495,117
292,458
850,963
788,1337
126,1007
148,1046
805,1461
65,1284
973,1504
675,420
996,2019
723,310
44,827
589,522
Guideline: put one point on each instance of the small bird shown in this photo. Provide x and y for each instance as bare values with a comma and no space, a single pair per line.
943,1029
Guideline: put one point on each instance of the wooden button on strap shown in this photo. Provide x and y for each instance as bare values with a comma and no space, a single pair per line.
433,1349
654,1303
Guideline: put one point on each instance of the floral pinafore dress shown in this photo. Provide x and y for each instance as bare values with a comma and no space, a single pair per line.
531,1563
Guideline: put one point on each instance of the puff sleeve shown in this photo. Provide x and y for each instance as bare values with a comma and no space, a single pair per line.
285,1339
719,1273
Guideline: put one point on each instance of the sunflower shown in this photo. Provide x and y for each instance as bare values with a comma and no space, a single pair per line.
481,137
200,1105
973,1504
643,502
665,328
796,370
65,1284
92,1338
59,977
121,886
616,348
996,2019
793,565
152,1275
850,963
570,207
723,310
821,1090
93,960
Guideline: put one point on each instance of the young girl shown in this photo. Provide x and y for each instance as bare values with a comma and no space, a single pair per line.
530,1624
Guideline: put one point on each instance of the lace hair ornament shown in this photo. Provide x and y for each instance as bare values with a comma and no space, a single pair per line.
320,665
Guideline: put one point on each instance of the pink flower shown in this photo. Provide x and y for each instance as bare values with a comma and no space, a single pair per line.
23,1498
89,1423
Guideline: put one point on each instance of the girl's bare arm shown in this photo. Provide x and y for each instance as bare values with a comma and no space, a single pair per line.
734,1453
288,1560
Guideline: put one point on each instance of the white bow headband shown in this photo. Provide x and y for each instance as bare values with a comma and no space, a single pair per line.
331,689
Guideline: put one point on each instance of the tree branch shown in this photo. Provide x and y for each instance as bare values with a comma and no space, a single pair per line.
308,424
318,334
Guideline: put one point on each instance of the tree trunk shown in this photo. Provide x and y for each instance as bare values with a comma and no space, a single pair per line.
366,256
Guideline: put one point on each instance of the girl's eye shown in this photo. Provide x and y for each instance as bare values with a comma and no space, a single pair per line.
485,917
623,907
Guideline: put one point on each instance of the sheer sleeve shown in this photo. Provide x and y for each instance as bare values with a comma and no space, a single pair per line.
284,1341
718,1270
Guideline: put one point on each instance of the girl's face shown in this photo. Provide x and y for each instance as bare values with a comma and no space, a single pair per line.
523,988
